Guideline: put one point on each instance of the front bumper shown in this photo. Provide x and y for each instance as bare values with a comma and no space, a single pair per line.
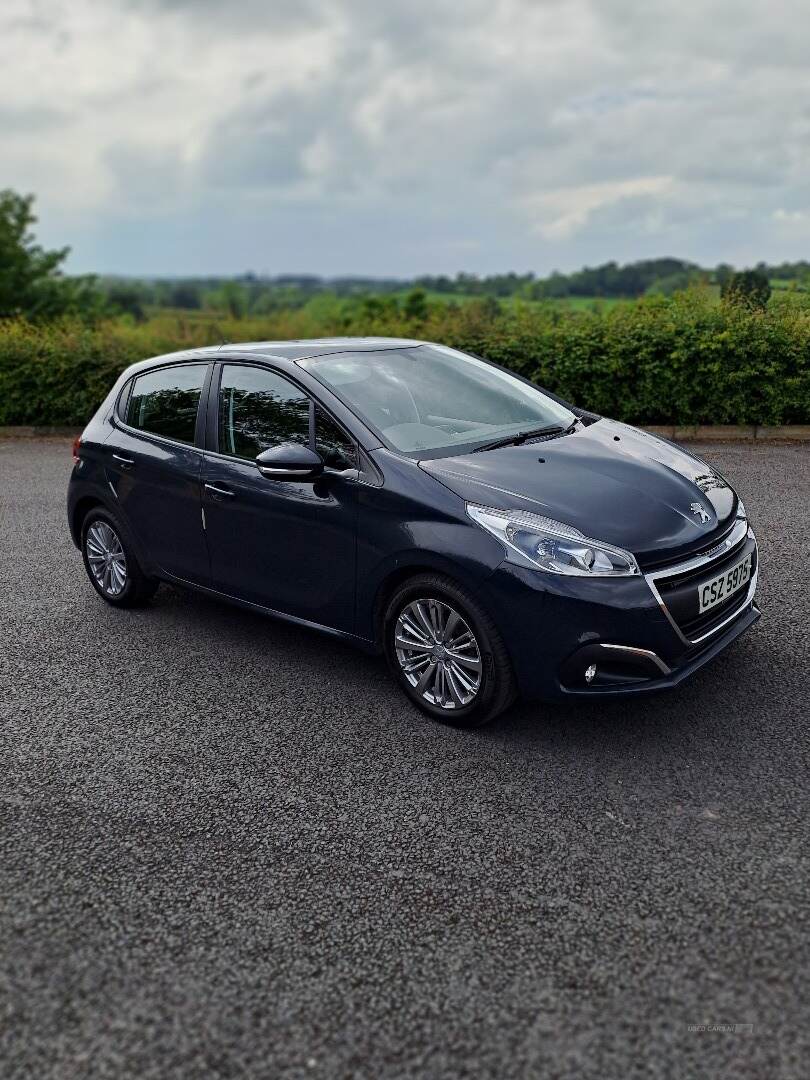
556,628
647,673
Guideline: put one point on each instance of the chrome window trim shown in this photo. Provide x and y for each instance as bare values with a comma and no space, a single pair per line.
739,533
142,433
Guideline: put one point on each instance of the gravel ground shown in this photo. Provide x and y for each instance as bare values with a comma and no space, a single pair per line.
230,847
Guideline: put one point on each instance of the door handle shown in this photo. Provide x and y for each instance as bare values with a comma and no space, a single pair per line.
125,462
220,492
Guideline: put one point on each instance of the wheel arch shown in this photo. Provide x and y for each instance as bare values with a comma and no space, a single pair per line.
399,574
93,500
79,512
497,681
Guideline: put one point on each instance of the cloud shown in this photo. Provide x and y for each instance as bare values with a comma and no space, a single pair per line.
566,210
415,135
29,120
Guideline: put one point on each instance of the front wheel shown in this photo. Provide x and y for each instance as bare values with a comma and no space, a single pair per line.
110,562
446,653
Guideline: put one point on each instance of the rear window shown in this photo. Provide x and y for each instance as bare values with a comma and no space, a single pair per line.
165,402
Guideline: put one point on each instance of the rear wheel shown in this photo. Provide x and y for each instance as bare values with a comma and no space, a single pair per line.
446,652
110,562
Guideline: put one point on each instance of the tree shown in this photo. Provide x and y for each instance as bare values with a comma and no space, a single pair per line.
233,298
182,294
749,287
127,298
416,307
31,282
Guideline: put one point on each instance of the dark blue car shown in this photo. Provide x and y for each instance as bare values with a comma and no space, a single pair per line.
492,540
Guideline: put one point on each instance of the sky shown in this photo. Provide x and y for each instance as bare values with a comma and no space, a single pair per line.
400,137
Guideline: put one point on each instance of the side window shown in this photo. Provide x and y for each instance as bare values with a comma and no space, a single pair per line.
259,409
335,447
165,401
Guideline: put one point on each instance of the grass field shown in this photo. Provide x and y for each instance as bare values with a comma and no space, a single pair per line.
328,315
308,316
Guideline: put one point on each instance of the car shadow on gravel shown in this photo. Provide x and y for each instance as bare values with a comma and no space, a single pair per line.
714,698
706,711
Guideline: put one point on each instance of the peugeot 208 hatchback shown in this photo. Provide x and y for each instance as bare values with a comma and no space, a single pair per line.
489,538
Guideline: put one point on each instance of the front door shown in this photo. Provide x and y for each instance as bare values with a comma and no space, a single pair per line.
286,545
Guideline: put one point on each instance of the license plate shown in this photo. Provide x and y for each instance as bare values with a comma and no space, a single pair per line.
720,588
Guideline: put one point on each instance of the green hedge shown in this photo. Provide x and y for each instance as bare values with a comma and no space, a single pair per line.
682,360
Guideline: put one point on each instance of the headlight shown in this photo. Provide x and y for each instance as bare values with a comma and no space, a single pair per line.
741,514
551,545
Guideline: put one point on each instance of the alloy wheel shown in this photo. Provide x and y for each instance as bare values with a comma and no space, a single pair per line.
438,653
106,558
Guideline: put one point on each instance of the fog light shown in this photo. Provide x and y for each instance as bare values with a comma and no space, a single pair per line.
590,673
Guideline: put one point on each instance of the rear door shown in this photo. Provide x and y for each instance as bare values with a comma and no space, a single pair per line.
153,462
287,545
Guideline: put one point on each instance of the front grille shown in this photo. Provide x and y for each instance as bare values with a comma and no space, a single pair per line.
712,542
679,591
711,619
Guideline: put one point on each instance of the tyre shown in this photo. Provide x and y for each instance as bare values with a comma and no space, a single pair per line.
110,562
446,652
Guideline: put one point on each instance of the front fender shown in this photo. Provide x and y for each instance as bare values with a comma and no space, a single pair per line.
458,550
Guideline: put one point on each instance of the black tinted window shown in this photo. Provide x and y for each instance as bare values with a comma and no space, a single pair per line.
333,444
165,401
259,409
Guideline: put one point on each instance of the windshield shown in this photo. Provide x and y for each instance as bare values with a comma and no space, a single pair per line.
428,398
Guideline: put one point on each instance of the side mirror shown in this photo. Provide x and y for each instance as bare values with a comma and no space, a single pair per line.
290,461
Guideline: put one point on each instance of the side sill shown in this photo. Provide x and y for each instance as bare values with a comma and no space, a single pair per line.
344,635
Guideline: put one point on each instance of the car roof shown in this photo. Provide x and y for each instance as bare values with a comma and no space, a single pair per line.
299,350
285,350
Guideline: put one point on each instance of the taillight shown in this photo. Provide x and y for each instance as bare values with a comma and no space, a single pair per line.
77,442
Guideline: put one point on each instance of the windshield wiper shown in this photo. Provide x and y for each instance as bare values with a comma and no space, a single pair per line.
521,437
